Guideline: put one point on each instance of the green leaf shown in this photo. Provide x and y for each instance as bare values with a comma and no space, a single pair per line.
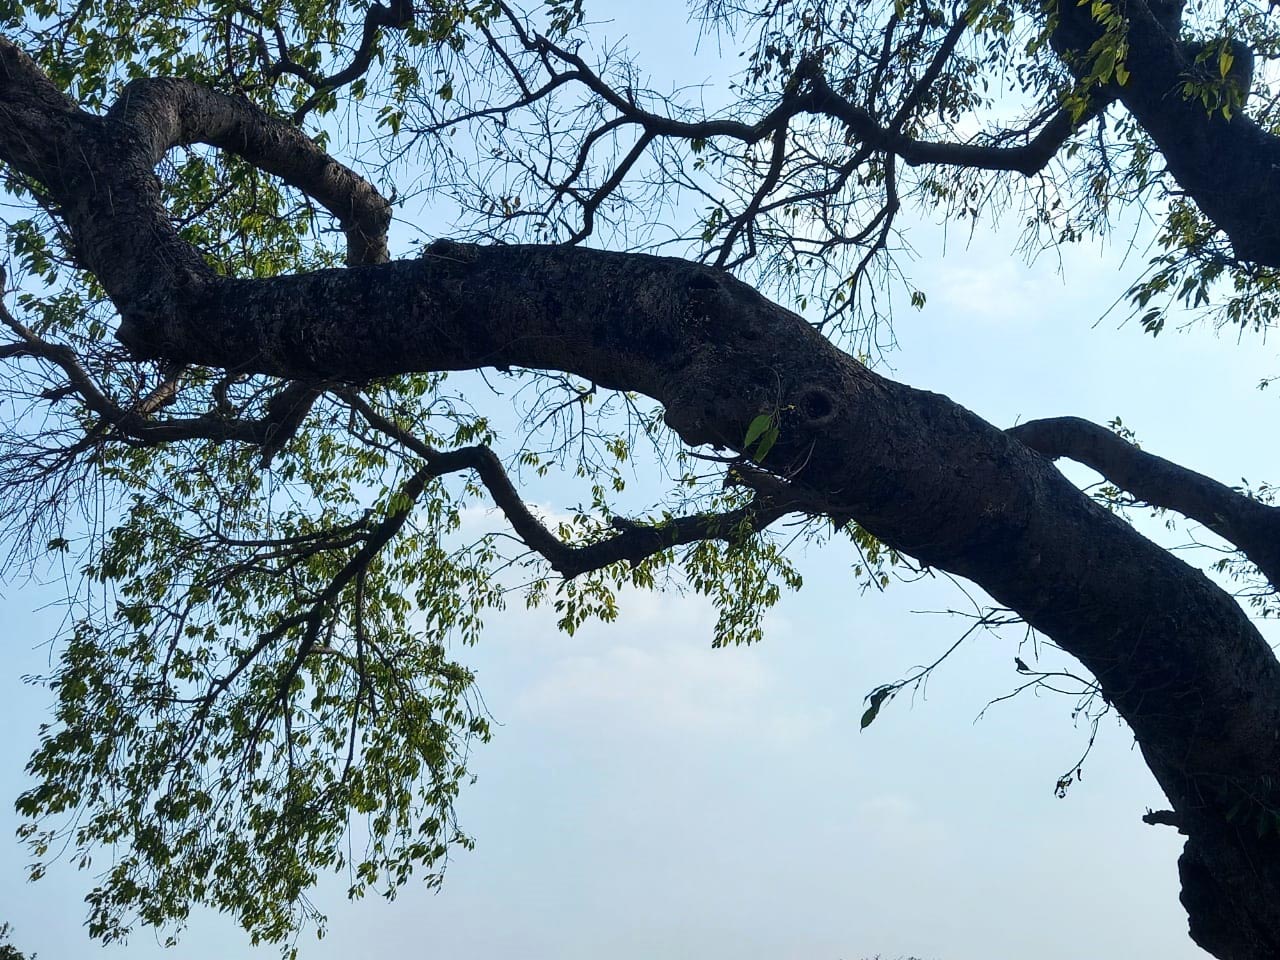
876,699
1105,65
757,427
766,442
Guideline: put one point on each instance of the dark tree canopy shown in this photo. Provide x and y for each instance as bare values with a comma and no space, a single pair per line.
233,402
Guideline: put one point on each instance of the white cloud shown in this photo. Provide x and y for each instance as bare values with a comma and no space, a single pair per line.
655,672
995,291
899,823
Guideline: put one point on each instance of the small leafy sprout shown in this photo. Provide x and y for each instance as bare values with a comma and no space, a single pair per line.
876,699
762,433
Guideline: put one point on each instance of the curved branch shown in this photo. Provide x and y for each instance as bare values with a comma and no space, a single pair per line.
165,113
1252,526
634,541
398,16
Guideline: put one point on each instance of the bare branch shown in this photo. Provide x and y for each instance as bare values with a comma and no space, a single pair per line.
135,424
398,16
634,541
810,93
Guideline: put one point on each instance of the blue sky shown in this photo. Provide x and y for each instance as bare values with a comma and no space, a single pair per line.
646,796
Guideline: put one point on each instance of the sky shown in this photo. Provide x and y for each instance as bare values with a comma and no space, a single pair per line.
647,796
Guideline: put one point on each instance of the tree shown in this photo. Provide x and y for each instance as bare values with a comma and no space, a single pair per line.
261,427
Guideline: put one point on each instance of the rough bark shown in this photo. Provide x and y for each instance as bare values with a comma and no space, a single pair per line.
1171,651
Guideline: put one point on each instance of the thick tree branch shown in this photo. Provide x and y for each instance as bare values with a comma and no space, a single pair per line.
165,113
1252,526
1165,818
285,413
48,138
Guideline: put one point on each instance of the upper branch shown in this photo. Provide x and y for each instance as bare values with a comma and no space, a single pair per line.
398,16
810,94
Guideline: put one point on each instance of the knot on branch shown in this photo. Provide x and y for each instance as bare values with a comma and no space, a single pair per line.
816,406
